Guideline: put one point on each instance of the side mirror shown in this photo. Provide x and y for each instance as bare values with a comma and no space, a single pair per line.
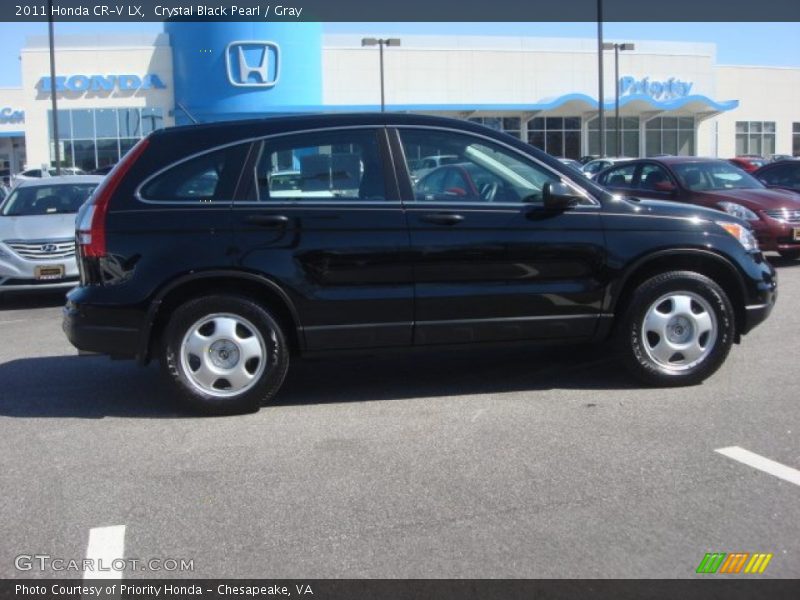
665,186
559,196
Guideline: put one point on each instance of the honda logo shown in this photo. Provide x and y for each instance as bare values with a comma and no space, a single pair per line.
252,63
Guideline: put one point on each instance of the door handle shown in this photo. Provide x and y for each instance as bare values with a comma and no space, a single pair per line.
443,218
268,221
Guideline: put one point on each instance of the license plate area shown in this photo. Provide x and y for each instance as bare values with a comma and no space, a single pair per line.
49,272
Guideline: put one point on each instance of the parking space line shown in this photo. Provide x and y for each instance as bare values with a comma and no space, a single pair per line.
756,461
106,544
12,321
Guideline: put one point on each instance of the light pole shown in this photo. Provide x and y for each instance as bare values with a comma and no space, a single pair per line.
601,110
617,48
53,99
381,42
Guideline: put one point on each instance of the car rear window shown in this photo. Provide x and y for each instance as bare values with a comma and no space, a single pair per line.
210,176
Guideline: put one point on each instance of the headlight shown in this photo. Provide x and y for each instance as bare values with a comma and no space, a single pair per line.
741,233
738,211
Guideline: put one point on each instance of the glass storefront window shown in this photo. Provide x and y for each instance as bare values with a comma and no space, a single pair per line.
107,152
92,138
84,154
558,136
152,119
628,135
670,135
509,125
796,139
64,124
130,122
83,124
755,137
106,123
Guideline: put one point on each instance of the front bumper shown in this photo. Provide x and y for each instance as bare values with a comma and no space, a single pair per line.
762,295
19,274
9,284
774,235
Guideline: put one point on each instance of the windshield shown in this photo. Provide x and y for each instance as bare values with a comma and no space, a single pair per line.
47,199
717,175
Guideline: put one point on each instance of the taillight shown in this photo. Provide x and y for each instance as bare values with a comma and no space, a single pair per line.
91,230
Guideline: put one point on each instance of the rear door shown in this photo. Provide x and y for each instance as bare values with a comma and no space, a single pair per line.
319,213
496,265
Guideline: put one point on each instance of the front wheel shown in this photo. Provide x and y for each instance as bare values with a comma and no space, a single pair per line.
225,354
677,330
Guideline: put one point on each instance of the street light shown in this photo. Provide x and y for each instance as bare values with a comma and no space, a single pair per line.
53,100
600,108
617,48
381,42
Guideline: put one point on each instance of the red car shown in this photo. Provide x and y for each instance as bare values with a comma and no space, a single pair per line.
774,214
748,163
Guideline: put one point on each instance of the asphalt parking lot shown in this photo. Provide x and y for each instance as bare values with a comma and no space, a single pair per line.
497,463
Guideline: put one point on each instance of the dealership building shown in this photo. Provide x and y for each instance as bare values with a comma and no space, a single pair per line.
111,90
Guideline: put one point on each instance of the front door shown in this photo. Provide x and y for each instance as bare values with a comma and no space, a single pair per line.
490,262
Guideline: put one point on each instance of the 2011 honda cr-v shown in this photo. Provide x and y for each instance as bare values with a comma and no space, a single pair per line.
224,249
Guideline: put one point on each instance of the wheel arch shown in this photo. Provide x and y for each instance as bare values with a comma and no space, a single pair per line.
705,262
240,283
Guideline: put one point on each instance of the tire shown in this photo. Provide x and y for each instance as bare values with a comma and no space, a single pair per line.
677,329
224,354
790,254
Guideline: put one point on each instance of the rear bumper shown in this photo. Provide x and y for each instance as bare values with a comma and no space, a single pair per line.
102,330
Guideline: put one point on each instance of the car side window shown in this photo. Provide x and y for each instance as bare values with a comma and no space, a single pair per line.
619,177
324,166
651,176
209,177
477,170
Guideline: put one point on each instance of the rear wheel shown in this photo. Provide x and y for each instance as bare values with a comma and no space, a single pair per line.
225,354
677,330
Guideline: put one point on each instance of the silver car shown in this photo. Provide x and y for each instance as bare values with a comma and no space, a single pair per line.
37,232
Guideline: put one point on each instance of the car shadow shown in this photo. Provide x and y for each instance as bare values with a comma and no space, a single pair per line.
94,387
783,263
27,300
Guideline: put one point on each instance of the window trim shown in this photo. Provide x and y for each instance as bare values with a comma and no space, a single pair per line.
137,193
385,158
252,141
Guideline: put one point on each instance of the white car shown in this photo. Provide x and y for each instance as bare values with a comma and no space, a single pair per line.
34,174
37,232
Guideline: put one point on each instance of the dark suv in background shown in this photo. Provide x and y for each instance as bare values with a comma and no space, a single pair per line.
195,252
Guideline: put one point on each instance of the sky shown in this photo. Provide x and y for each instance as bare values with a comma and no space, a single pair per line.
765,44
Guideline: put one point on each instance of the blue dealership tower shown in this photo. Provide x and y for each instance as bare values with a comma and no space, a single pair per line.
233,70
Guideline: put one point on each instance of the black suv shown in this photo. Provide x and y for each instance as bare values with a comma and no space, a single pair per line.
223,249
